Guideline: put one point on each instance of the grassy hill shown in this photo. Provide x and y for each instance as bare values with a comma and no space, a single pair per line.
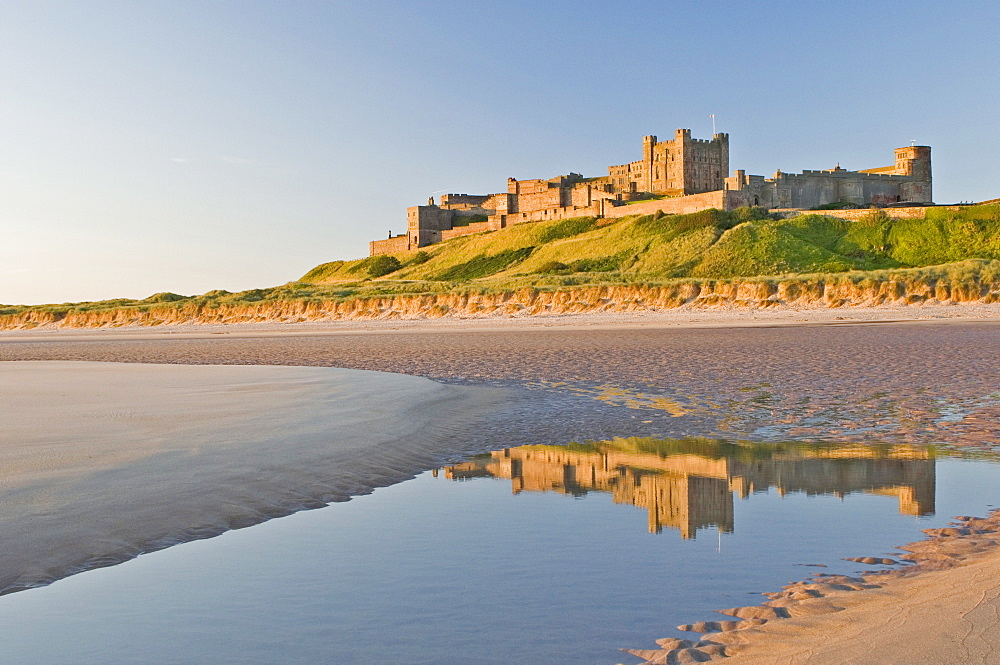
702,250
710,244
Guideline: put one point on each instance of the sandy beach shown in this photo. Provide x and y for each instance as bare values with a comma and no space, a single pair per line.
834,375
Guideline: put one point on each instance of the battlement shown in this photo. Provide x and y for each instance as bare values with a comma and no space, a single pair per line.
841,173
463,199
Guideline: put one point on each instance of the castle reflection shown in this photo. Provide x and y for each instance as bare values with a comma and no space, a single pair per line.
689,484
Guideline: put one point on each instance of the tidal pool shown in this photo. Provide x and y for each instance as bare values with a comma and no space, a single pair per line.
531,555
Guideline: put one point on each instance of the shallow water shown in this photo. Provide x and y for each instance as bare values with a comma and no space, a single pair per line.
597,547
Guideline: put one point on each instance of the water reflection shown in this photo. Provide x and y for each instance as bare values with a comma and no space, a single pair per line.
689,484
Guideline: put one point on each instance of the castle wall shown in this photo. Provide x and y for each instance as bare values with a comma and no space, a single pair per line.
429,217
469,229
810,189
463,201
499,203
562,212
389,245
586,194
679,205
916,212
425,223
470,211
548,198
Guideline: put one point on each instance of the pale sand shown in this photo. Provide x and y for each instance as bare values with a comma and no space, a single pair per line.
935,618
100,462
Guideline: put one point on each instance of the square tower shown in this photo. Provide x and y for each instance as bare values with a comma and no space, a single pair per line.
678,167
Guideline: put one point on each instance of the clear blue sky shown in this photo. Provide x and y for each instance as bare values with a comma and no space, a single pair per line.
187,146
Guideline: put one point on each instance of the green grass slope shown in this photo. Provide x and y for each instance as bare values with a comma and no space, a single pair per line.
709,244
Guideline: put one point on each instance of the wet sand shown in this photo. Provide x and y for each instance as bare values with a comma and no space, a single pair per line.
921,382
102,462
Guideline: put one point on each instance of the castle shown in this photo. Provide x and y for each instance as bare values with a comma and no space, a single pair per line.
682,175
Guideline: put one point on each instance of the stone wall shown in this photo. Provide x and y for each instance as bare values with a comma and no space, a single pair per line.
469,229
499,203
562,212
463,201
540,200
679,205
915,212
585,194
389,245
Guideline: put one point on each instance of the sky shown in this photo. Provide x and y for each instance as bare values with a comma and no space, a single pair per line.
188,146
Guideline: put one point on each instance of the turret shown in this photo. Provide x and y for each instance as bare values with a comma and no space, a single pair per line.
648,143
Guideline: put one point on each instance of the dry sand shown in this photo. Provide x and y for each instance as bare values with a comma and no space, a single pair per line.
102,462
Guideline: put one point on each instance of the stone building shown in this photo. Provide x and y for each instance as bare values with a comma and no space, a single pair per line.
678,176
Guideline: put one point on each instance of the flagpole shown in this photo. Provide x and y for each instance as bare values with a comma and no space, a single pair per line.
713,123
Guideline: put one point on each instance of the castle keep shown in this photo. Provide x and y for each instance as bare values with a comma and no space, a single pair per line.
678,176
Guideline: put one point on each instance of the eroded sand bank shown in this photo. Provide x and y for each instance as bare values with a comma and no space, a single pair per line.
100,462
